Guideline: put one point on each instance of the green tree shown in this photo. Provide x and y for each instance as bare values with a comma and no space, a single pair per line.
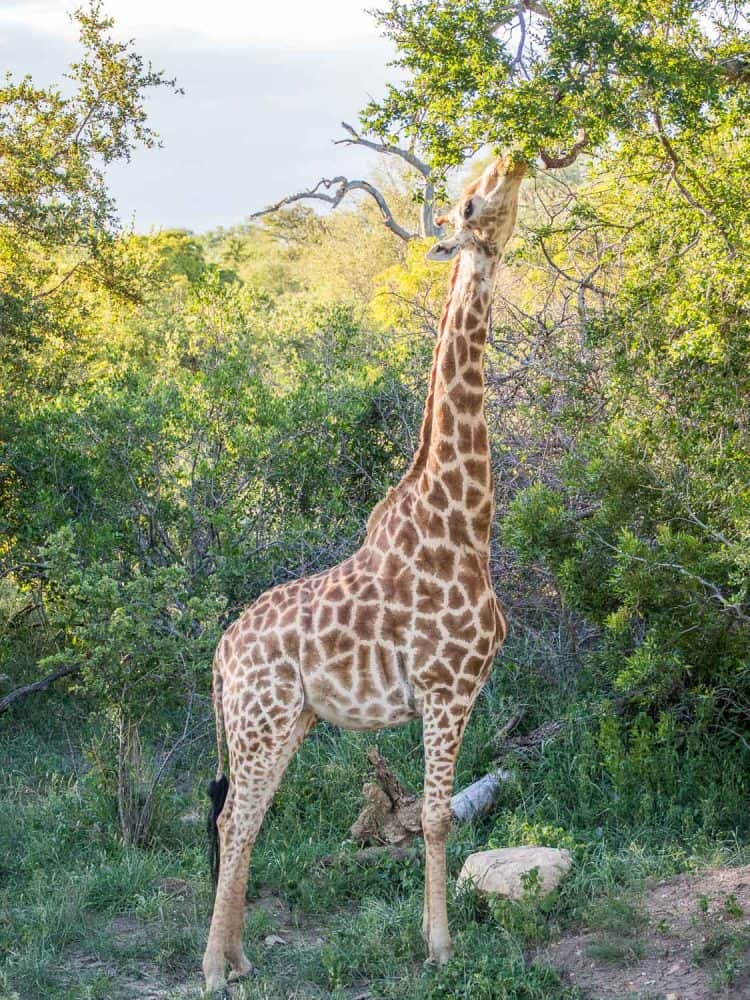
533,76
58,224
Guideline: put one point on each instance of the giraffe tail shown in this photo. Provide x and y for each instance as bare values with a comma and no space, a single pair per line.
217,789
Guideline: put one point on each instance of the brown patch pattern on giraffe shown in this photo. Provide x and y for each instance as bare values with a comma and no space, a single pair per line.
407,626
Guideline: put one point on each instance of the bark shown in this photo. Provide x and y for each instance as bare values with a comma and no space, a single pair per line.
565,159
393,812
341,186
478,799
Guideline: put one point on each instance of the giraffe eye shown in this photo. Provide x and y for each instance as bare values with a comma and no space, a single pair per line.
468,209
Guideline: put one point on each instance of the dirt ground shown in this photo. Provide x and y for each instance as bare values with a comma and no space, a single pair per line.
691,941
687,938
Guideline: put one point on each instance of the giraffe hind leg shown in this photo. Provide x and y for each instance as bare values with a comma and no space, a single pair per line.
258,756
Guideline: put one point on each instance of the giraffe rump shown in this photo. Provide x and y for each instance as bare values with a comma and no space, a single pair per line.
217,792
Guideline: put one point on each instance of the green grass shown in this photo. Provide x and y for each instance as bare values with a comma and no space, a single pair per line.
81,916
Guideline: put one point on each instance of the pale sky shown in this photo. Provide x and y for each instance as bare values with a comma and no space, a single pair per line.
266,85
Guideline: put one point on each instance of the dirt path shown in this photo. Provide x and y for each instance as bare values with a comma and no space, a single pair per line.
688,938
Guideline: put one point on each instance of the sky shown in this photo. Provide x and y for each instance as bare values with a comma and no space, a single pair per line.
266,83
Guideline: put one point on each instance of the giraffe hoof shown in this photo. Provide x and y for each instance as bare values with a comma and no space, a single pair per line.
244,971
215,986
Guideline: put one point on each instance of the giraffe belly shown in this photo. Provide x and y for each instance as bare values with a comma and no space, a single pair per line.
365,688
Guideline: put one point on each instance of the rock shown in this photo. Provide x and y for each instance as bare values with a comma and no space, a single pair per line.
502,870
271,939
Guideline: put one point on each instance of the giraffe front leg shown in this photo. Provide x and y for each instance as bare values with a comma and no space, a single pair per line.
442,733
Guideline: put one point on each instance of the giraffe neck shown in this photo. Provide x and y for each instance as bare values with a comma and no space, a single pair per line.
456,460
453,443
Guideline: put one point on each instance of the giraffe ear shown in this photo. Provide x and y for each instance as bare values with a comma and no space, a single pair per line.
444,250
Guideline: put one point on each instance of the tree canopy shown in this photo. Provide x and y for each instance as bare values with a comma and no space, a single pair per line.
549,76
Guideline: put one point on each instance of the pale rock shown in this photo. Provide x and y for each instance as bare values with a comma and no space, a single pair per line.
501,871
271,939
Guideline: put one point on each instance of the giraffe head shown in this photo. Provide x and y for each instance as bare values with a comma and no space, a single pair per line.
486,212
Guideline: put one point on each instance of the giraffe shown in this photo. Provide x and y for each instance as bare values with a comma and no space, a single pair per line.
408,626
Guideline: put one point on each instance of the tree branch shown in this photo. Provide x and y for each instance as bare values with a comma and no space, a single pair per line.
59,285
517,61
383,147
332,191
675,164
735,69
536,7
733,607
565,159
42,685
341,187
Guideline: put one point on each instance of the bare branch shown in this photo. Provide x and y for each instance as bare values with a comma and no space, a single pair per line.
333,190
341,186
565,159
517,62
383,147
584,283
429,226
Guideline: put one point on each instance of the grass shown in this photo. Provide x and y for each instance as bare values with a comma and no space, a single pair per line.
82,916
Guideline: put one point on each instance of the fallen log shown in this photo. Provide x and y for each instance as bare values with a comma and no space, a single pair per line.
477,799
392,815
41,685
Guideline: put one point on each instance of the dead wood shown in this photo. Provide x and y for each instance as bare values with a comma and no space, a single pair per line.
41,685
392,815
393,812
